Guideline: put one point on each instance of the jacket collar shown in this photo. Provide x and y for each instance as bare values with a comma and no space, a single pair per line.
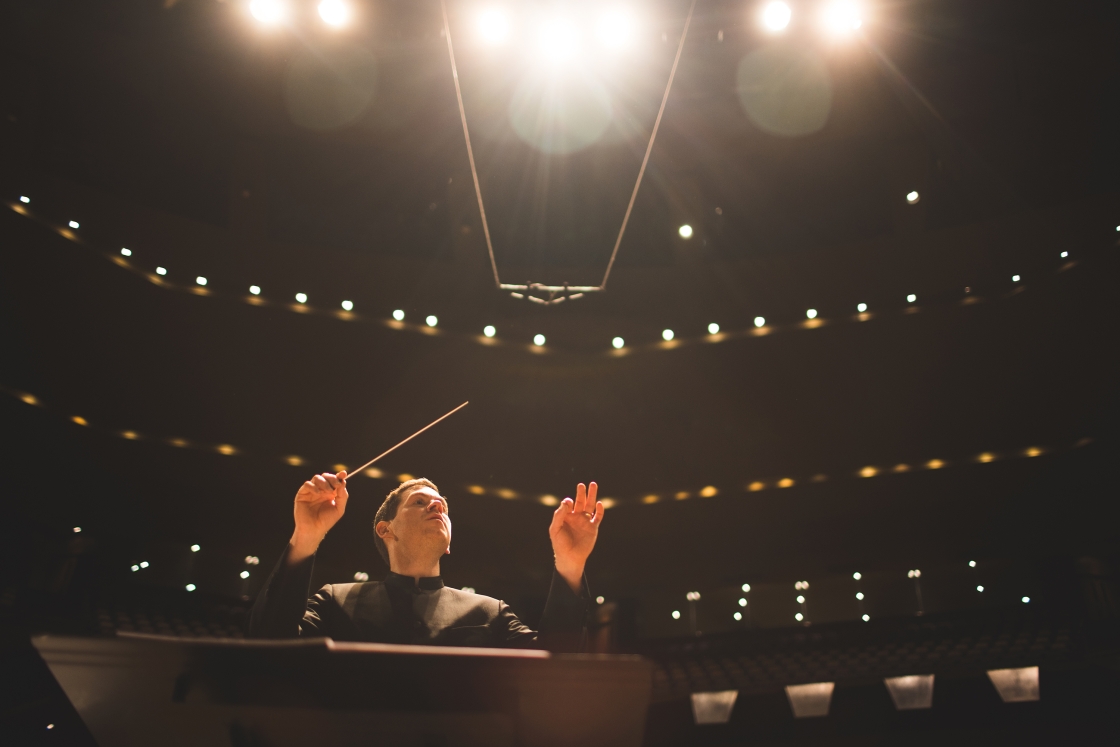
426,583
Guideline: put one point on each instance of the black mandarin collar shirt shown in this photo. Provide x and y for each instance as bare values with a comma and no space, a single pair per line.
402,609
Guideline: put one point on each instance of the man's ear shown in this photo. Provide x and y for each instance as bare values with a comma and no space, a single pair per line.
383,530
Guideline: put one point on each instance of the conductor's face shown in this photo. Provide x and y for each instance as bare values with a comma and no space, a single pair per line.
422,524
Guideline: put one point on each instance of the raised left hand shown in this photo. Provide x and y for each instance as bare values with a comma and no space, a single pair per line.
574,529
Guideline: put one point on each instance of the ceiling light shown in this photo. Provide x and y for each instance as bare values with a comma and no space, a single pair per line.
775,16
268,11
713,329
799,617
244,574
135,568
252,560
1064,254
666,335
200,280
73,224
489,330
738,616
195,548
859,595
913,197
676,614
861,307
618,343
558,39
972,564
301,297
742,602
348,305
255,290
1014,278
1026,600
800,599
538,340
857,575
493,26
161,271
615,29
126,252
431,320
143,564
398,315
980,589
685,231
759,321
911,298
24,200
334,13
191,587
77,530
866,618
746,587
811,313
842,17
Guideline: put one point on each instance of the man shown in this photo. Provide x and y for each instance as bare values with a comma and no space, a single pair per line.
412,531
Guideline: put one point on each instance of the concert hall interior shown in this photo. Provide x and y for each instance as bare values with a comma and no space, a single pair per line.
816,292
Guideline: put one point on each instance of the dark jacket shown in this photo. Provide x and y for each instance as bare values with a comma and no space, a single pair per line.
400,610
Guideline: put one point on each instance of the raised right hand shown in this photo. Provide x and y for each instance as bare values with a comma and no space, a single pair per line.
320,503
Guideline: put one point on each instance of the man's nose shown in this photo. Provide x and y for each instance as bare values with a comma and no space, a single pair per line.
436,504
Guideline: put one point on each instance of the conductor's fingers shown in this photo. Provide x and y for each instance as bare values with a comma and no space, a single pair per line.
592,491
333,481
342,475
581,497
564,509
600,509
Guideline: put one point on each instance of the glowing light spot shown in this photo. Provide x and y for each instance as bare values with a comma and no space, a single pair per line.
866,618
857,575
799,617
348,305
1014,278
301,298
361,576
244,574
713,329
73,224
294,460
489,330
800,599
1063,255
651,498
900,468
615,29
226,449
742,602
608,502
24,200
398,315
132,435
1026,600
911,298
269,11
859,595
493,26
708,491
785,482
759,321
811,313
373,472
913,574
756,486
985,458
557,39
506,493
191,587
195,548
179,442
135,568
600,600
738,616
980,589
125,252
861,307
405,477
746,587
776,16
676,614
843,17
77,530
161,271
681,495
935,464
252,560
913,197
143,564
972,564
618,343
79,420
431,320
476,489
667,334
1033,451
549,500
685,231
692,596
538,340
868,472
334,13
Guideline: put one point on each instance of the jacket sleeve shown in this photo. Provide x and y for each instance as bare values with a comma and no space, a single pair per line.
283,610
563,627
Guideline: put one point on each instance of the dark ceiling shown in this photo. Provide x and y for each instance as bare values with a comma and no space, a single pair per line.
166,129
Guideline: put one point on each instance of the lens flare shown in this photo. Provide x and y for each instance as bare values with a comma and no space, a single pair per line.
493,26
775,16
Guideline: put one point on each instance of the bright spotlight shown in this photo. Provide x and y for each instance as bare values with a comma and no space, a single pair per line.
800,599
685,231
74,224
244,574
489,330
742,601
775,16
738,616
913,197
857,575
195,548
1063,255
759,321
1026,600
191,587
980,589
842,18
1014,278
615,29
161,271
911,298
811,314
200,280
676,614
301,298
558,39
866,618
347,305
398,315
859,595
269,11
493,26
255,290
431,320
972,564
126,252
799,617
713,329
667,334
334,13
618,343
24,200
538,340
862,307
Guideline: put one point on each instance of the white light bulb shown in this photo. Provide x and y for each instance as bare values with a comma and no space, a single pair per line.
161,271
191,587
201,280
24,200
431,320
913,197
799,617
348,305
538,340
842,17
195,548
800,600
334,13
126,252
857,575
713,329
618,343
775,16
972,564
911,298
980,589
759,321
738,615
811,313
746,587
493,26
866,618
143,564
676,614
862,307
73,224
77,530
489,330
255,290
859,595
1026,600
301,297
135,568
244,574
1064,254
685,231
268,11
398,315
557,39
742,602
666,335
615,29
1014,278
599,600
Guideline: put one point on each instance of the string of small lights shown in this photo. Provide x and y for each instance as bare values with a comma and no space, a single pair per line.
547,499
619,347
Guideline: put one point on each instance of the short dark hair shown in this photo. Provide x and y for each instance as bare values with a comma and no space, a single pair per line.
388,510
